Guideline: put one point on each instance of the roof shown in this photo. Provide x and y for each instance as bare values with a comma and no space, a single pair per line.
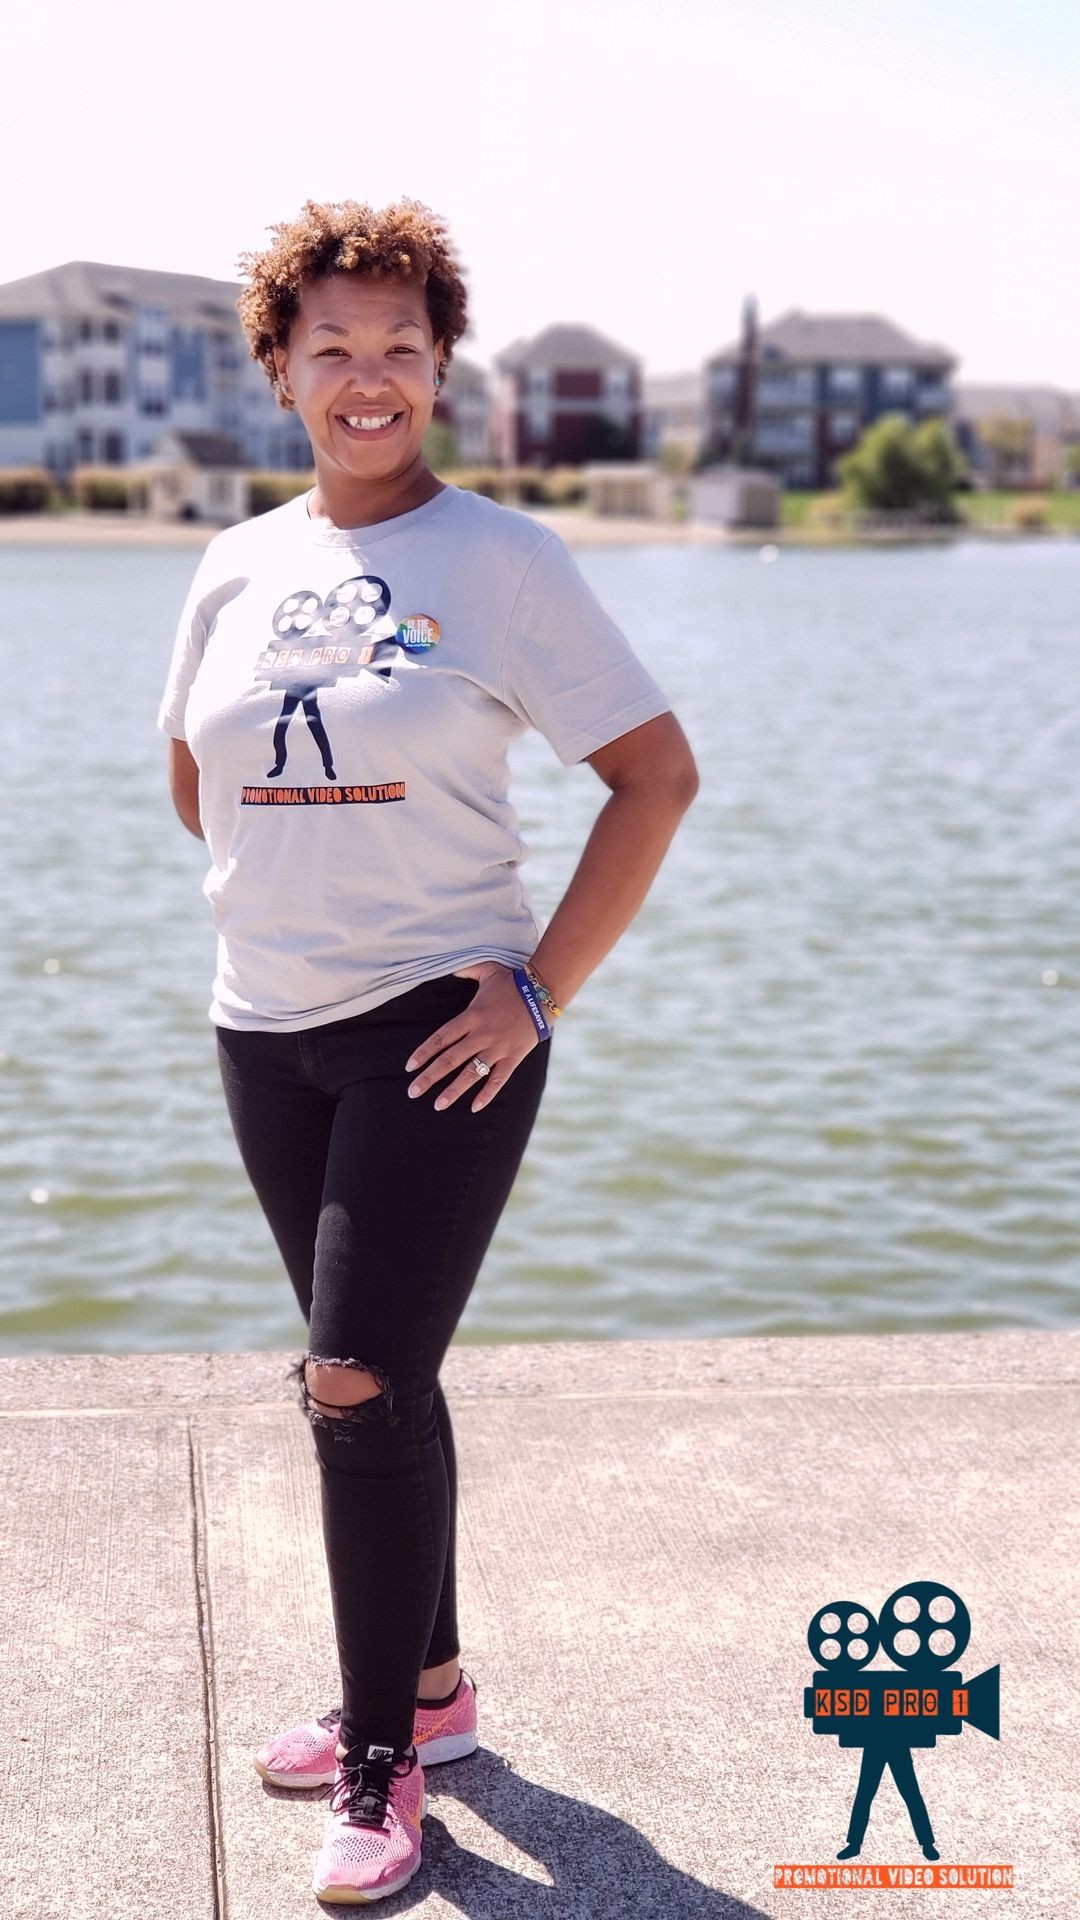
465,374
95,290
565,346
864,339
1050,409
206,449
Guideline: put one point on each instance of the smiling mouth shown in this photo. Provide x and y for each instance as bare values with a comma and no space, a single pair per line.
387,423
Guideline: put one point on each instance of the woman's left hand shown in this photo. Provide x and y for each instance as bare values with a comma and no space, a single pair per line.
496,1025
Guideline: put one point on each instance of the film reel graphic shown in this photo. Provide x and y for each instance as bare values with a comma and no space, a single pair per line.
931,1638
923,1624
843,1636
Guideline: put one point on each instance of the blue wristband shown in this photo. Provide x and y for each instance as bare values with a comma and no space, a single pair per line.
529,995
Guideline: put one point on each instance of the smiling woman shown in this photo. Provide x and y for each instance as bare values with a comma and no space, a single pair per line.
386,994
355,315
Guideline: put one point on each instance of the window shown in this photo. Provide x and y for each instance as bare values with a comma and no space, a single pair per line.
86,329
843,426
113,388
896,380
85,445
538,423
845,380
110,330
537,381
86,387
114,448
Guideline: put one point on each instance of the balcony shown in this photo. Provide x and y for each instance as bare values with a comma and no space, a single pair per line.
781,393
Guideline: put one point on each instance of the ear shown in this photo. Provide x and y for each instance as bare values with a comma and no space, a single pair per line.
279,365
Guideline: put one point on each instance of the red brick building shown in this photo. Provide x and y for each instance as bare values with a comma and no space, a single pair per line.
566,396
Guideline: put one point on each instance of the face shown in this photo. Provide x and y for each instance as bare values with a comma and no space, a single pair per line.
362,348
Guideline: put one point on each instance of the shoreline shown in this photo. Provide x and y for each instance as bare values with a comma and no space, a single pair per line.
85,529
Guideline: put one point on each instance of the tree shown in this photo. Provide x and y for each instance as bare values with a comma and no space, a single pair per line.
898,465
1007,440
440,447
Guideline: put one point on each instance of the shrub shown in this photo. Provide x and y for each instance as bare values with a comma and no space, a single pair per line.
1030,514
25,489
268,488
109,489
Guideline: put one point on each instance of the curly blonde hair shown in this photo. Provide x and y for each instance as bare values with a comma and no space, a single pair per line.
404,241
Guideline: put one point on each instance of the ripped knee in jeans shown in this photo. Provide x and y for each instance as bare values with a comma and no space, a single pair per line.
342,1417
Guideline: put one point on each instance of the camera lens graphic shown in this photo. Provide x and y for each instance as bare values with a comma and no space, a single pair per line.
356,604
296,614
844,1635
924,1624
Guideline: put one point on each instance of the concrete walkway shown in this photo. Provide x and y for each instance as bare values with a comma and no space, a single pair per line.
646,1532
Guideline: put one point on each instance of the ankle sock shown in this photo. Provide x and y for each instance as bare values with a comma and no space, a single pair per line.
450,1698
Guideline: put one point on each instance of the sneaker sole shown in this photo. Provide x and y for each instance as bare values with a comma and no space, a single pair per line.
355,1896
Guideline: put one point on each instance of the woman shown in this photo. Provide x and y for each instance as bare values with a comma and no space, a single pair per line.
385,993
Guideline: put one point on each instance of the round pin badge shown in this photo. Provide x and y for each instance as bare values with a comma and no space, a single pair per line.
417,632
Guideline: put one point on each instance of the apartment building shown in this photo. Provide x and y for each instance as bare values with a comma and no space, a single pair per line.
1016,436
793,396
463,404
97,362
567,395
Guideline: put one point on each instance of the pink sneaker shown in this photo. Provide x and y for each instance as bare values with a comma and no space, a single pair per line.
306,1755
372,1842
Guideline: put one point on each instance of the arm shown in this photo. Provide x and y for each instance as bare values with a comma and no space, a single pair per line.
184,786
653,779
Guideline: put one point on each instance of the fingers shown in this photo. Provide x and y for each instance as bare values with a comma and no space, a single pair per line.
468,1080
454,1056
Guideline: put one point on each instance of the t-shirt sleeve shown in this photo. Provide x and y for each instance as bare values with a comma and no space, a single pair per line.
567,669
188,646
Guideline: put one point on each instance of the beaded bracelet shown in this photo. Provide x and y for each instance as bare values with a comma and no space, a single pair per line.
543,993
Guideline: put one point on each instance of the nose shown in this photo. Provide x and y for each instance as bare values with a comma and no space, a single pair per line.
368,379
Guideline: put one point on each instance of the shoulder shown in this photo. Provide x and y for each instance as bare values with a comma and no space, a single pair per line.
517,537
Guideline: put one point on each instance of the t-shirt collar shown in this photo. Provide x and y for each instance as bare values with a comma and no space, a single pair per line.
325,534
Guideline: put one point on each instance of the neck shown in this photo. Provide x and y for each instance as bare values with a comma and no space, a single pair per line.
349,502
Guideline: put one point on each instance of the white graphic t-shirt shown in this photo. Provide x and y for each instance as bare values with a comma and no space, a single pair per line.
349,695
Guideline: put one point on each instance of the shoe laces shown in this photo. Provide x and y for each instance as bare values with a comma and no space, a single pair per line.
362,1788
329,1720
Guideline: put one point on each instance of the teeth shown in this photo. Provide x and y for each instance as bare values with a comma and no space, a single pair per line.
369,421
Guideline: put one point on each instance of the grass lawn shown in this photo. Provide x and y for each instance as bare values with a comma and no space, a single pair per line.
1061,509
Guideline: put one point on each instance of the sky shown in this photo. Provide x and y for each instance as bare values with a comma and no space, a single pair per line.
640,165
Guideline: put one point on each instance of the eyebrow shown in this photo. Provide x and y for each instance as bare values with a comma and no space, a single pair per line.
398,326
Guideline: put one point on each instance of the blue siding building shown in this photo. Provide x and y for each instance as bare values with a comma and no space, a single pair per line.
794,396
98,361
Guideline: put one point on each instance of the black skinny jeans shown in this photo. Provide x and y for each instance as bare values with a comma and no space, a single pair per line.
382,1210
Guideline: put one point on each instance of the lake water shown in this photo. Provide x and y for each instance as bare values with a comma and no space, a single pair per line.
829,1080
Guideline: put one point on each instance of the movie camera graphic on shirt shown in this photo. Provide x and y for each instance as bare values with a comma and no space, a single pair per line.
319,642
924,1627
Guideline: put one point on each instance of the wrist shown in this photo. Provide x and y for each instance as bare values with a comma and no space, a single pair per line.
551,1002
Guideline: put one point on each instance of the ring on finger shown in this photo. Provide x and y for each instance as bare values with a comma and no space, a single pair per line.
481,1066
